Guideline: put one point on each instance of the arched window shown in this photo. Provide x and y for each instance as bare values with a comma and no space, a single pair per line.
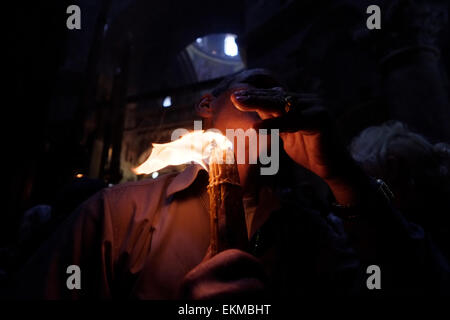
215,55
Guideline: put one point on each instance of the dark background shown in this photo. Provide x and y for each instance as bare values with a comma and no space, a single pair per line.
89,101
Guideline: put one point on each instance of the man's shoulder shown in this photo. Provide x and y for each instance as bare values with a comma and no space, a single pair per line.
138,190
141,198
142,185
126,203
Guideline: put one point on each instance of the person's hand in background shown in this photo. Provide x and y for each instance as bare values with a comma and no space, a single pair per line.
231,274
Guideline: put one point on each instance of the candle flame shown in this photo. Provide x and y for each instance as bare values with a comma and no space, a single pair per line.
195,146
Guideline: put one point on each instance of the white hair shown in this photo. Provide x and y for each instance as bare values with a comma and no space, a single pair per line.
374,145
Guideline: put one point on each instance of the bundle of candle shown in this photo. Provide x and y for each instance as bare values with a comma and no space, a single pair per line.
227,219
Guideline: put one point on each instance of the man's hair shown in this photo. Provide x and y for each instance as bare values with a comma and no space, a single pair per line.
260,78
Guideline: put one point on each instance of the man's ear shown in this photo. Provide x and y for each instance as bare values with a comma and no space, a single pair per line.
204,108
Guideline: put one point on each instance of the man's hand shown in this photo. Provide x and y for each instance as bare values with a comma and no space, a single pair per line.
231,274
307,131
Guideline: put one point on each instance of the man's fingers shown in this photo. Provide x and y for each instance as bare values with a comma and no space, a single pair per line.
272,104
265,100
271,101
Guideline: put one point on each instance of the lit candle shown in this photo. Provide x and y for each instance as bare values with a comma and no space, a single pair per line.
227,219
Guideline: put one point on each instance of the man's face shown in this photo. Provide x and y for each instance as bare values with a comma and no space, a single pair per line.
220,113
227,116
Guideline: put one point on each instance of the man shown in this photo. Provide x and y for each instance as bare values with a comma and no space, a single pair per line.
148,240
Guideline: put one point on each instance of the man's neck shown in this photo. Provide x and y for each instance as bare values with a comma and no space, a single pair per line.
257,193
249,178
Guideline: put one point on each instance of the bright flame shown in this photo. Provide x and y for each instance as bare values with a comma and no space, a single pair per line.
195,146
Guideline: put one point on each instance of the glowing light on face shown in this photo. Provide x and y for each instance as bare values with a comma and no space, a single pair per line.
230,46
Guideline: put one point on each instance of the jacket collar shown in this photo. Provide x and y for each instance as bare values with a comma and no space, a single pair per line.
184,179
